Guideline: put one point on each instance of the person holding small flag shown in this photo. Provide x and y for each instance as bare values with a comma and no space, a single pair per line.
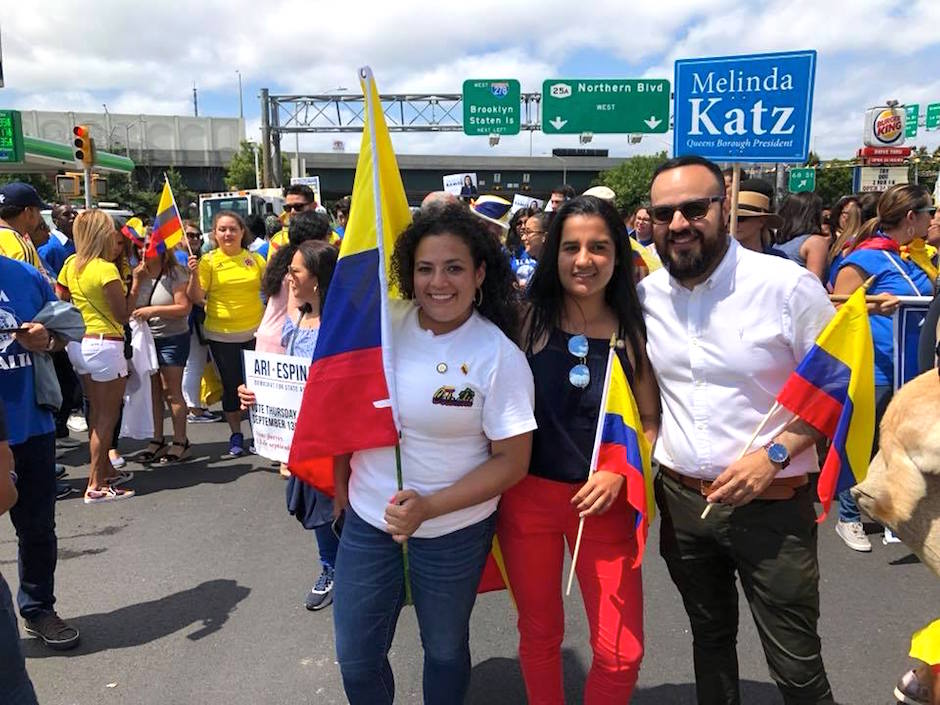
904,214
581,294
227,282
726,328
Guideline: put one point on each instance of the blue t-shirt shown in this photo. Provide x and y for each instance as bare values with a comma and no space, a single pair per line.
23,292
523,266
53,254
893,276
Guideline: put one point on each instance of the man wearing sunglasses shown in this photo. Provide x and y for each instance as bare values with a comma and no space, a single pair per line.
297,198
725,328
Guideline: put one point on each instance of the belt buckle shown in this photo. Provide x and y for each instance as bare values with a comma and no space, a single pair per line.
703,487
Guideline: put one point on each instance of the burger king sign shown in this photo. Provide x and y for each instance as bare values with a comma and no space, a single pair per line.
884,126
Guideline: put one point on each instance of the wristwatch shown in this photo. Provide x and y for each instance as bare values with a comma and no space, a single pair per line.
778,454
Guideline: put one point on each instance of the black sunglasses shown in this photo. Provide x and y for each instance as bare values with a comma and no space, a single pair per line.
695,209
295,206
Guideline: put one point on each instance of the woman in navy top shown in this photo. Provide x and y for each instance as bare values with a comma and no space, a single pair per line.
903,214
582,292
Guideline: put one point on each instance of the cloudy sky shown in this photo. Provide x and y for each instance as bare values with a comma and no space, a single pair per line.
145,57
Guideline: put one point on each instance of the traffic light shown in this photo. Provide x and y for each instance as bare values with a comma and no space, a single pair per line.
84,145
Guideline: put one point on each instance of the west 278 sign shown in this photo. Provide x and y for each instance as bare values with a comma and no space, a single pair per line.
754,108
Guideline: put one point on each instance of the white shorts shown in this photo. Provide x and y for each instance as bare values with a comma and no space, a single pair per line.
101,358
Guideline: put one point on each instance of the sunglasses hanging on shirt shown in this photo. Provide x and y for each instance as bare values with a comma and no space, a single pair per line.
579,375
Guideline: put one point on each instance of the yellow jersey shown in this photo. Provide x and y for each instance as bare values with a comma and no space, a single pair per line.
279,239
87,293
16,246
232,285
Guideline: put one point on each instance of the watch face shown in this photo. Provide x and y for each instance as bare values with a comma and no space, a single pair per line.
778,453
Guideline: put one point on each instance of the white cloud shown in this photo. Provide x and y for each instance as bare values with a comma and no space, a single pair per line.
145,57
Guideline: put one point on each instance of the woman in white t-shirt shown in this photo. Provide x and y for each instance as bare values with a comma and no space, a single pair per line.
465,400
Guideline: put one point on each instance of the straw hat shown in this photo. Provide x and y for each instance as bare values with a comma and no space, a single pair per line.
602,192
752,204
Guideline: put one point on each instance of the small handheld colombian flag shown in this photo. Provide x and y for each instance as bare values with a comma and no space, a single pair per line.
167,226
620,447
133,230
833,390
349,399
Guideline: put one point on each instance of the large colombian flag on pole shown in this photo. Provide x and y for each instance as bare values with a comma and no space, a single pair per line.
833,390
167,226
349,399
620,447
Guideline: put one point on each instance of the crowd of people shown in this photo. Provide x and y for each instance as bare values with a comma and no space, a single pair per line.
513,312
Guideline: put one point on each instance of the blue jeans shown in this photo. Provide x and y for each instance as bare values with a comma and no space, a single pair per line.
848,509
33,518
14,681
369,593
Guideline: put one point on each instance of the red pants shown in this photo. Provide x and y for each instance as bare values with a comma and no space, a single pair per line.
535,517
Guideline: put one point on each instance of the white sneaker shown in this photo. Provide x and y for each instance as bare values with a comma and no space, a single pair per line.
77,423
889,537
853,535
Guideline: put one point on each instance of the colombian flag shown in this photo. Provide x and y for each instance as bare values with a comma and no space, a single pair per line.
620,447
644,261
833,390
167,226
133,230
348,402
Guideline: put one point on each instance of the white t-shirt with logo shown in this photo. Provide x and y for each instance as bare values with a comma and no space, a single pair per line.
456,393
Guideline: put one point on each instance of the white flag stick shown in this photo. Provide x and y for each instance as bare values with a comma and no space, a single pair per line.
744,452
597,449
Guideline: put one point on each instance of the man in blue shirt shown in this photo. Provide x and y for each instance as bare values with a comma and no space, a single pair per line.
23,293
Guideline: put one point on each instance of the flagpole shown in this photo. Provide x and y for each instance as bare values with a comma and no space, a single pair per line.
757,431
598,433
173,198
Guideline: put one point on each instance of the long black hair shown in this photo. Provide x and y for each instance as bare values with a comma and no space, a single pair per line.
546,295
802,215
306,225
320,260
455,219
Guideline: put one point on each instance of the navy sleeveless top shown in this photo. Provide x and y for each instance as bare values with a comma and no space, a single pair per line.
567,416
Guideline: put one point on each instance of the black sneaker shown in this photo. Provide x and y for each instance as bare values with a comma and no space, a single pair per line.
321,594
60,471
54,632
63,490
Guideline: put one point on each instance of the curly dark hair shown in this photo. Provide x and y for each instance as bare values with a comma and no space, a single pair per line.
304,226
546,295
499,295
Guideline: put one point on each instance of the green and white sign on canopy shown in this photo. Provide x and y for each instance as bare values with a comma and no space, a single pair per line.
802,179
491,106
933,116
910,123
605,105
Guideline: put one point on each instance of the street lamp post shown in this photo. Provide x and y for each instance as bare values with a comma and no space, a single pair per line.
107,125
241,106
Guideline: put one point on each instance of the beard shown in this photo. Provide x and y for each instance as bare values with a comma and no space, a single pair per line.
691,264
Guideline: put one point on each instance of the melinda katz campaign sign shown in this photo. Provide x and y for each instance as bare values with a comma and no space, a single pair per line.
753,108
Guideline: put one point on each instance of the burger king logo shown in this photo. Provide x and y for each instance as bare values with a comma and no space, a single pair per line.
888,126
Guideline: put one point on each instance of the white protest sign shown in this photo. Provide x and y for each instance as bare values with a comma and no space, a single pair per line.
519,201
455,183
278,383
313,182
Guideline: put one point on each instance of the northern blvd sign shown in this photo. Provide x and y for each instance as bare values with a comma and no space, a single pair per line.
754,108
605,106
491,107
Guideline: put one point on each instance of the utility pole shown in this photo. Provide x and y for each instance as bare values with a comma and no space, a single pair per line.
195,101
241,107
265,141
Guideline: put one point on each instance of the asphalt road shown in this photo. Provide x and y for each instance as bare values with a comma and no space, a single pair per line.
192,592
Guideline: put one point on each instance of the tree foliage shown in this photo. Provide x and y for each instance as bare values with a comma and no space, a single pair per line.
44,187
630,180
240,173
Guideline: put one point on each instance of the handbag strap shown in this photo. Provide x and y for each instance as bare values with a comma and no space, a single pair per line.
903,273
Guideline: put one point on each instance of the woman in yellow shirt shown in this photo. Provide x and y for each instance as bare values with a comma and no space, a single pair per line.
227,282
93,283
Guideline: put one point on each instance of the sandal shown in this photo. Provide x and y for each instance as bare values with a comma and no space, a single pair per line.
153,451
171,457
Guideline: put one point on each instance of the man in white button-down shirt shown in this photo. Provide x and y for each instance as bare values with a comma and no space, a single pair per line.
725,328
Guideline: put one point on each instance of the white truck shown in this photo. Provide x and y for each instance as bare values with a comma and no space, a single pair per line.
246,202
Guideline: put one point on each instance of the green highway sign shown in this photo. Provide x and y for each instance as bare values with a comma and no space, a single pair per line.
11,137
491,107
802,179
910,126
933,116
605,105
